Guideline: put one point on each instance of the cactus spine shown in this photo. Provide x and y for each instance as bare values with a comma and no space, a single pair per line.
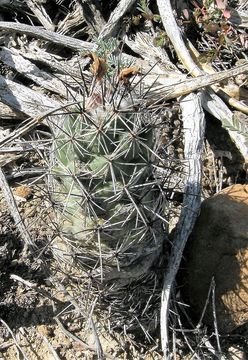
108,188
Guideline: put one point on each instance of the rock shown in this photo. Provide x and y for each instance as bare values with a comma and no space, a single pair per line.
218,247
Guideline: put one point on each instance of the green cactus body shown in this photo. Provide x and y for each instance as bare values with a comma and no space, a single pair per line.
108,191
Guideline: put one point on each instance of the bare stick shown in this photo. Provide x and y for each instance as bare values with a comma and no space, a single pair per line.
194,124
51,36
40,12
175,36
15,341
24,99
114,19
78,340
12,58
33,286
199,82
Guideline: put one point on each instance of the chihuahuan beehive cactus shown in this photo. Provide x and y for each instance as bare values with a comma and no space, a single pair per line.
109,187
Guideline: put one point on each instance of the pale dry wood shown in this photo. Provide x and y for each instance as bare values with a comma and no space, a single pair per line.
24,99
183,54
41,14
113,23
92,16
207,68
29,124
6,112
55,38
194,127
12,58
72,67
214,105
142,44
73,19
175,88
173,32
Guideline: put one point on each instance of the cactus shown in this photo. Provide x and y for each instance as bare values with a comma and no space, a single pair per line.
109,186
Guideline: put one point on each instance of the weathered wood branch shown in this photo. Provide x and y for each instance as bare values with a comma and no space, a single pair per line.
142,44
72,20
10,200
41,14
183,54
111,27
12,58
53,37
92,16
194,127
24,99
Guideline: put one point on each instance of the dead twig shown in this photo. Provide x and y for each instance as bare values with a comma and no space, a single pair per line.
110,28
14,339
194,125
81,342
41,14
55,38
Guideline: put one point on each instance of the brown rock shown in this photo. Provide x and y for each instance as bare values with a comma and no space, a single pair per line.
218,248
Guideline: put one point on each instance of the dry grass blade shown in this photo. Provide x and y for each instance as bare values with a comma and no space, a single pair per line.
8,195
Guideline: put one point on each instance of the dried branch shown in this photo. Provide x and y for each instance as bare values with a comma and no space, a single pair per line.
24,99
92,16
175,36
12,58
183,54
110,28
194,125
189,85
143,45
40,12
53,37
73,19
